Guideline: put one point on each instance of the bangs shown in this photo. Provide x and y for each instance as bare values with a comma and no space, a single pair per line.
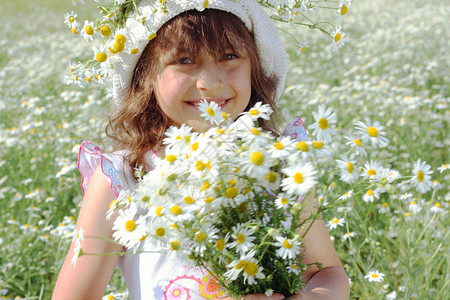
212,31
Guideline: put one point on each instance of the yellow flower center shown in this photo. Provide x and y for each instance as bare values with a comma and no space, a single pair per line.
284,201
134,51
201,237
195,146
420,176
253,112
287,245
335,221
240,238
323,123
101,57
257,158
209,200
210,111
231,192
74,30
298,178
118,47
369,193
205,186
255,131
220,244
176,293
374,275
89,30
71,19
220,131
372,131
241,264
130,225
278,146
251,268
271,177
337,37
171,158
189,200
176,210
105,30
175,245
357,142
302,146
120,38
199,165
385,205
371,172
110,297
350,167
344,9
317,145
158,211
160,232
438,205
232,182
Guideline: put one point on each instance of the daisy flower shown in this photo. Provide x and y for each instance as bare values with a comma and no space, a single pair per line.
371,169
349,173
88,30
294,269
300,179
253,271
260,110
370,196
284,201
206,234
237,266
443,168
383,208
243,238
211,112
159,232
372,132
336,38
100,54
375,276
78,238
346,195
335,222
127,230
256,162
421,176
302,46
178,137
69,18
348,235
437,208
282,147
287,248
323,119
356,144
343,7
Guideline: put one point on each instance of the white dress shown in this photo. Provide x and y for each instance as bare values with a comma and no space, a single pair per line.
153,276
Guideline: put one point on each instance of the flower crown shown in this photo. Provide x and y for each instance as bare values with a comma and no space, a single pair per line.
125,27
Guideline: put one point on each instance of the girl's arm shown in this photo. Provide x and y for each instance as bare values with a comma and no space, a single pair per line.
330,282
89,277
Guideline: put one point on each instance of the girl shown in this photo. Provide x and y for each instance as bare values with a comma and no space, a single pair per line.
229,53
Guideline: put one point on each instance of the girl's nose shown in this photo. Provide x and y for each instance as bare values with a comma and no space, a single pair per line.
210,77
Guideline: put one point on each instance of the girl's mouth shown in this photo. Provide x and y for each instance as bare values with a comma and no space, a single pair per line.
220,102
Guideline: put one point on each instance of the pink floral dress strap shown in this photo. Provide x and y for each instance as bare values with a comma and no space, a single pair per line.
296,130
112,166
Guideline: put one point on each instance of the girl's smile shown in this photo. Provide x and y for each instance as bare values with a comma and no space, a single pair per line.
183,82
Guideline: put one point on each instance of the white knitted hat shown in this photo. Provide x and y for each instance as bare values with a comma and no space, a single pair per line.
270,47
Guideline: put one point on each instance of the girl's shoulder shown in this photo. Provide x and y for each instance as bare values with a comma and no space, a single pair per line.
114,166
296,130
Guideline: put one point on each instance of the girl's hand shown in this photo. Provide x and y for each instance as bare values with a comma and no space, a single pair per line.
259,297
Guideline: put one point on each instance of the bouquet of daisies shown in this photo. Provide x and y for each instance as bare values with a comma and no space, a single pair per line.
228,200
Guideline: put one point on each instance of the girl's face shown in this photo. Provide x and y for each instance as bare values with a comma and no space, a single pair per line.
184,80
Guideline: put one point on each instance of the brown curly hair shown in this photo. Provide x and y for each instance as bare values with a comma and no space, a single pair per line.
139,124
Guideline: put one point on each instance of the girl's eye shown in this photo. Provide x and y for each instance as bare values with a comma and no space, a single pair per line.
229,56
183,61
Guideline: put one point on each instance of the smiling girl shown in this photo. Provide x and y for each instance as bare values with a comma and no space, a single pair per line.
231,54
